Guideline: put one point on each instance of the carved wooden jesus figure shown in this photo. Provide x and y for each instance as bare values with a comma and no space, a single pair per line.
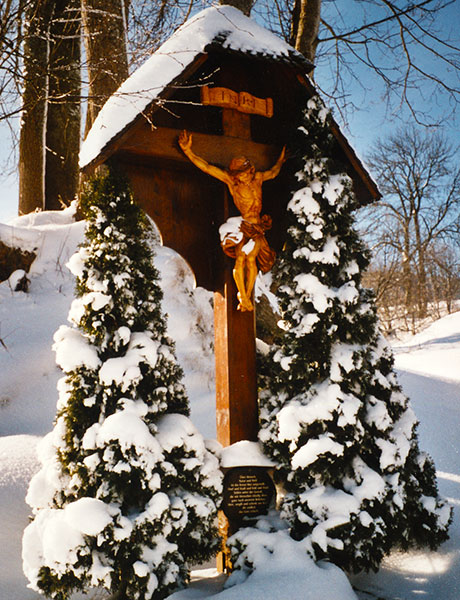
243,238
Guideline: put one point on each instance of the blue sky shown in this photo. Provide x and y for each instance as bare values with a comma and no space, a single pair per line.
370,119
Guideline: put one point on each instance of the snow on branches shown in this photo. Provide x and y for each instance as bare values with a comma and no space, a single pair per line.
332,413
127,494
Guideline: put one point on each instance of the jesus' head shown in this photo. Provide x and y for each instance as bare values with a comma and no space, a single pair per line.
241,167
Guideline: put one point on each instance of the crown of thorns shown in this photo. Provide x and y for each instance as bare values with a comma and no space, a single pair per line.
239,164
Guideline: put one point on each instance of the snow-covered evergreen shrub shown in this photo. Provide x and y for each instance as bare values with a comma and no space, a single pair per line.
126,497
332,413
266,552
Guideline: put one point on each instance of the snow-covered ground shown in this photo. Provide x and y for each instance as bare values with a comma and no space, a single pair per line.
429,366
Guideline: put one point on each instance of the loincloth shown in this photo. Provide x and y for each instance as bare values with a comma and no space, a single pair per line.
236,233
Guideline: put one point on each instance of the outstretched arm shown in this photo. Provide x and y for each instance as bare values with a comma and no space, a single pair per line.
273,172
185,142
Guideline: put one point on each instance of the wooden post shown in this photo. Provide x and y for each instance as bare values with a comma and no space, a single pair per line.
234,333
236,386
237,413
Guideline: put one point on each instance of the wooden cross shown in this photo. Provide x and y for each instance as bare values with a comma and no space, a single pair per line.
234,332
182,202
235,349
235,353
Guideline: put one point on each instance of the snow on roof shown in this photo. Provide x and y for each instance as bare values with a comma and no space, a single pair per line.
222,25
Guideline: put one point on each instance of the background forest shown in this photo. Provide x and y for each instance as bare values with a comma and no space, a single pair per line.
60,61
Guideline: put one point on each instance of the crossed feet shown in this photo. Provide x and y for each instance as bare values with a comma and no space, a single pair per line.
245,303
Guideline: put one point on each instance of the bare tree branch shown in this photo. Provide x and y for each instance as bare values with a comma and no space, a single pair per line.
420,181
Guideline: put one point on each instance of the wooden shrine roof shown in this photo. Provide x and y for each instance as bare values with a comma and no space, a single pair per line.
216,30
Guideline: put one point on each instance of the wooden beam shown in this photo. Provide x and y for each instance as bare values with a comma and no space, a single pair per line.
235,350
216,149
237,414
237,126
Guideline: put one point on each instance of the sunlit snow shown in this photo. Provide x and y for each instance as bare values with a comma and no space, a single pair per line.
28,399
148,82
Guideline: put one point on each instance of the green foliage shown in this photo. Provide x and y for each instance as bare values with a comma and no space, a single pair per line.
332,413
123,451
119,252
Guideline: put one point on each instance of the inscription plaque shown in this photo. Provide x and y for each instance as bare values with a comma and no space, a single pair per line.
248,492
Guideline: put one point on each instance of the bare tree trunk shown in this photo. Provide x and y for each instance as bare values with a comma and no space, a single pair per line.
34,99
422,292
305,25
64,112
244,5
408,278
105,43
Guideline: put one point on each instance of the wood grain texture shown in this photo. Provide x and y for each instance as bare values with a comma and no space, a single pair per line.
216,149
235,350
237,413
